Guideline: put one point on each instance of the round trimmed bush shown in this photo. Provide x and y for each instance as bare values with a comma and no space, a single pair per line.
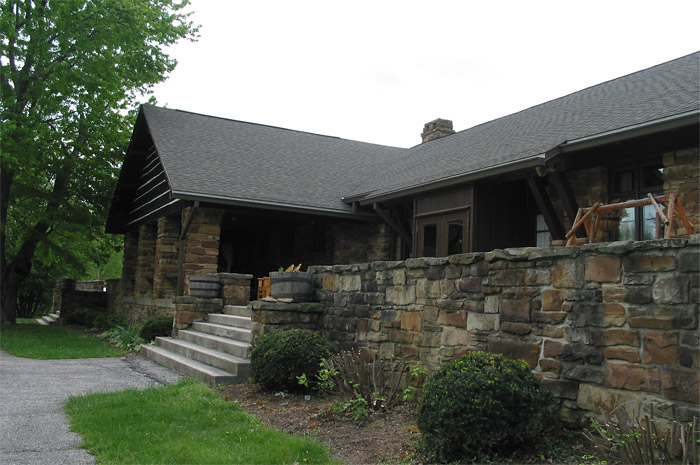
100,322
83,317
115,320
480,404
280,356
157,326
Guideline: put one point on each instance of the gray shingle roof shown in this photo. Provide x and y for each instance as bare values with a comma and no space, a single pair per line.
227,159
664,90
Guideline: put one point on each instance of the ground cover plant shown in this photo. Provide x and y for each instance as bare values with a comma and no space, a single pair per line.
181,424
31,340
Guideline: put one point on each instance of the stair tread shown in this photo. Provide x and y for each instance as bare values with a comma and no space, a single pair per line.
217,325
202,367
216,338
206,350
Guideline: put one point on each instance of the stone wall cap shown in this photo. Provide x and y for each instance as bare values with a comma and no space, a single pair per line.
466,258
203,277
277,306
512,254
320,269
612,248
386,265
538,253
234,276
673,243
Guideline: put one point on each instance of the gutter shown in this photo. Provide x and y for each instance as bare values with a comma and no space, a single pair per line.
636,130
268,205
530,162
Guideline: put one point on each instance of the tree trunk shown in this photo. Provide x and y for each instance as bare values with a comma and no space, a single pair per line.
9,286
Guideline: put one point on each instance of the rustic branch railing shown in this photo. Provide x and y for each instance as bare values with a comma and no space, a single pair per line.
590,217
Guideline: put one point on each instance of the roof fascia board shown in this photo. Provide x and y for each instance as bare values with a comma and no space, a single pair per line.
267,205
637,130
503,168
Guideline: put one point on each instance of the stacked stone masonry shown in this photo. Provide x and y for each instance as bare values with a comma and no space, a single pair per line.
602,324
682,176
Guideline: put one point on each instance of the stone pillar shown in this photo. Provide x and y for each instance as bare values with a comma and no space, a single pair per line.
145,262
235,288
165,281
681,173
202,243
131,242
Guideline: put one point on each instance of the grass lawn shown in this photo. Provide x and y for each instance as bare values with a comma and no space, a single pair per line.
182,424
30,340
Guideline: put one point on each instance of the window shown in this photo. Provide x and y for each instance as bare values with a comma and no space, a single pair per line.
541,232
443,235
635,183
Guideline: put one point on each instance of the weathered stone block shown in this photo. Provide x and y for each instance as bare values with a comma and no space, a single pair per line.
632,377
492,304
482,321
516,328
598,398
516,310
603,269
660,347
506,278
469,285
538,277
550,318
454,337
663,316
458,319
350,283
649,262
411,321
583,373
671,290
615,337
638,295
562,389
614,293
682,384
568,274
619,353
689,357
552,349
515,349
550,366
689,261
551,300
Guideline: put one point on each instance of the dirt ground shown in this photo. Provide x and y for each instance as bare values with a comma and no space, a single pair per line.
384,438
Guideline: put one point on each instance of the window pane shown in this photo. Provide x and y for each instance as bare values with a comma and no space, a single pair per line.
623,181
649,231
625,231
455,231
430,240
653,176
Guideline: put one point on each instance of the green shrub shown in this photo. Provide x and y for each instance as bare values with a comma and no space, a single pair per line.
481,404
83,317
116,320
157,326
100,322
281,356
125,337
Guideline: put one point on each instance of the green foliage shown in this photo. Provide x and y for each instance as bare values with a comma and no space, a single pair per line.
182,424
281,356
75,69
633,440
100,322
125,337
157,326
83,317
116,320
31,340
481,404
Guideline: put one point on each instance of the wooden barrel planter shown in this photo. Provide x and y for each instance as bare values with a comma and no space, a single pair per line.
206,287
295,285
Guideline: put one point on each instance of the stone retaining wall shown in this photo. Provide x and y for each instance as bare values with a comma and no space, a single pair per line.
601,325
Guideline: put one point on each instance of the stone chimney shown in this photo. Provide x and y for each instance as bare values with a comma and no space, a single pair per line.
437,129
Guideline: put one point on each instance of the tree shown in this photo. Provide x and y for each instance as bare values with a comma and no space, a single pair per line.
71,70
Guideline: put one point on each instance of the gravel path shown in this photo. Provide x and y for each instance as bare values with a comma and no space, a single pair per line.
33,427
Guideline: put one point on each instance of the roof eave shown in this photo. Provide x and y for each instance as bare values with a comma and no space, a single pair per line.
269,205
503,168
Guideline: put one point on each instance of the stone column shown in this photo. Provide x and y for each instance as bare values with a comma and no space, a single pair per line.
145,262
165,281
681,171
131,242
202,244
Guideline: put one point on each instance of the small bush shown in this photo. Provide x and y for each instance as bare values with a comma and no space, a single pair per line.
100,322
116,320
125,337
482,404
282,356
83,317
157,326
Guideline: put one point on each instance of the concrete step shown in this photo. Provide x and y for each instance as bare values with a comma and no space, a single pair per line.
234,365
41,322
229,320
211,341
238,334
238,310
206,373
55,316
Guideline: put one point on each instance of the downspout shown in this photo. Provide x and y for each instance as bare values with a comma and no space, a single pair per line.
181,250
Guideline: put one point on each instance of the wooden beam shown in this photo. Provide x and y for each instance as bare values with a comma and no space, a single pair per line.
561,184
544,203
583,219
388,217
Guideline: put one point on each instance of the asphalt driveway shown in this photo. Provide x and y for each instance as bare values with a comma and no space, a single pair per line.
33,427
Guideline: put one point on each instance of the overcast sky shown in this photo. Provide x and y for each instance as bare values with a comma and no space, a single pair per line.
377,71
